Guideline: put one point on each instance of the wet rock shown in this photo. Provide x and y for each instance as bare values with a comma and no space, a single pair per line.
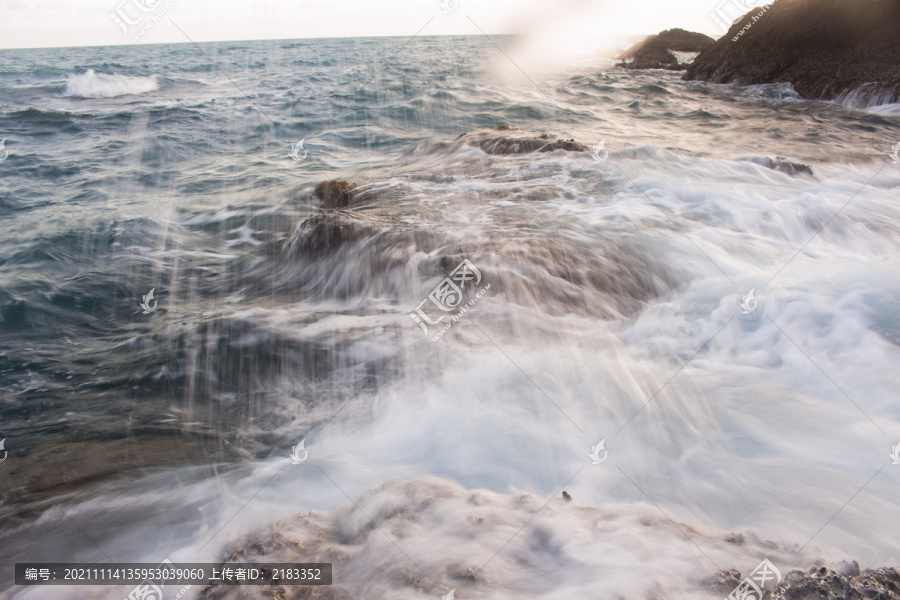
88,460
335,193
654,51
821,47
566,496
569,146
822,582
490,142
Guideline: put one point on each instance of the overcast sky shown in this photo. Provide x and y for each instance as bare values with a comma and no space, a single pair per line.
47,23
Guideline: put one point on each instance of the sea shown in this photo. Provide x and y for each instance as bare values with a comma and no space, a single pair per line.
691,328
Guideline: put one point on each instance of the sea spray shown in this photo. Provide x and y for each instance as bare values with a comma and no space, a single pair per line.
91,84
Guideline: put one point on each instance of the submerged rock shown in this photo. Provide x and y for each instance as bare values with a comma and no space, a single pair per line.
821,47
786,166
782,164
654,51
524,143
325,232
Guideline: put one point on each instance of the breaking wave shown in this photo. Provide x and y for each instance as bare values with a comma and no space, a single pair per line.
872,97
91,84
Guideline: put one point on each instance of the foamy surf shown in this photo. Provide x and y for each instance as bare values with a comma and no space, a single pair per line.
91,84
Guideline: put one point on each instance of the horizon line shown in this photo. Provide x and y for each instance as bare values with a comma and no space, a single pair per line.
276,39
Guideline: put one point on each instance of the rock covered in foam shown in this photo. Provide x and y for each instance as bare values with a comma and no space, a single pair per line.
522,142
325,232
453,535
420,538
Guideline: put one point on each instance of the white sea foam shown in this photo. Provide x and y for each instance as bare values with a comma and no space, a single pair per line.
91,84
778,92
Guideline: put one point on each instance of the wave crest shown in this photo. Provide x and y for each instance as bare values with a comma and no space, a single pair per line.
872,97
100,85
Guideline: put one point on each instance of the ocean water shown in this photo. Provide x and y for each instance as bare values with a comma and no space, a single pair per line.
614,314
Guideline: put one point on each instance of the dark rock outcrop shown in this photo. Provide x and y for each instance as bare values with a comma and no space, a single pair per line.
335,194
655,51
821,47
652,55
522,143
680,40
